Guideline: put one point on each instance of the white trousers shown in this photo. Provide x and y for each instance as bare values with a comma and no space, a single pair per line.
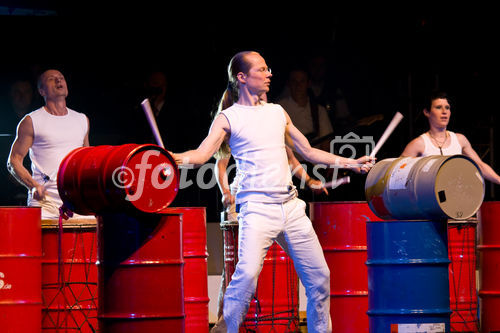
259,225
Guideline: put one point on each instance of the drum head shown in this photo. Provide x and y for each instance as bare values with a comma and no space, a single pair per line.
459,188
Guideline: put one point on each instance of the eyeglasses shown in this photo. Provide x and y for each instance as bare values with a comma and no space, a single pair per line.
264,69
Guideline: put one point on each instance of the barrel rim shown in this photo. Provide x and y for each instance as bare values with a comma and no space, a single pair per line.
19,207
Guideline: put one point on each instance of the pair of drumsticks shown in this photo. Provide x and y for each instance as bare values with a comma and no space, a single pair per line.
146,106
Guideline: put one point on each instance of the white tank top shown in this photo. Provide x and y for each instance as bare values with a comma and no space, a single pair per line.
54,138
430,149
257,144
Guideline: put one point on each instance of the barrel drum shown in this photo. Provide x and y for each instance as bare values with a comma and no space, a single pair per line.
408,276
140,263
462,275
341,230
69,275
195,272
131,177
20,269
431,187
275,306
489,266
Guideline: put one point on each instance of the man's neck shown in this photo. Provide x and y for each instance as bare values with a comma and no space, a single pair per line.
249,100
56,108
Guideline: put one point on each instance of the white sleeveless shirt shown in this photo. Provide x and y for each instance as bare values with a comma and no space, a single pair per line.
54,138
257,144
453,149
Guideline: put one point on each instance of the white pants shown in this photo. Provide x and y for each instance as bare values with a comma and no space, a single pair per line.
259,225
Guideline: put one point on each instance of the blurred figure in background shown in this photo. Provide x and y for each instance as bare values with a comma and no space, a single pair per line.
310,117
20,101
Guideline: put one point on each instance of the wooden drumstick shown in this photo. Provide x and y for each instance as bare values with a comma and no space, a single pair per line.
337,182
146,106
388,131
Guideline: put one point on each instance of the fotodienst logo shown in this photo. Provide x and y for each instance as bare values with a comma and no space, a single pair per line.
160,176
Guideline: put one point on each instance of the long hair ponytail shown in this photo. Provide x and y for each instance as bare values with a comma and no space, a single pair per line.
231,94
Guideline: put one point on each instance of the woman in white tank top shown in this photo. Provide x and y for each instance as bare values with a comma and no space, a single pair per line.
439,141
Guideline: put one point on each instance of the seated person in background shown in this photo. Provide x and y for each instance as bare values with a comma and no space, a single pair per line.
308,116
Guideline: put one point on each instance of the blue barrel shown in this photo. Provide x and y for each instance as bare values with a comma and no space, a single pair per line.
408,288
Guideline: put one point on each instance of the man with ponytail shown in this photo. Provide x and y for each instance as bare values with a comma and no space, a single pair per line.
266,200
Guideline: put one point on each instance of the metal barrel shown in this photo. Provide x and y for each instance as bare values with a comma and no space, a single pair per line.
431,187
341,230
140,263
20,269
130,177
408,276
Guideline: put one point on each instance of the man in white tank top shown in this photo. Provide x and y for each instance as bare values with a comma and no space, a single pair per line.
439,141
48,135
269,209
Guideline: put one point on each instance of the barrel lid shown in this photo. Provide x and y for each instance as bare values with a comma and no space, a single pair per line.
459,188
154,178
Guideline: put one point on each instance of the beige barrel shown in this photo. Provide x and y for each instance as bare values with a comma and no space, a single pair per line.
431,187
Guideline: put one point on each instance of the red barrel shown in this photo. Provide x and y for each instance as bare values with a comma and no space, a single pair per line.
194,243
20,270
142,178
70,300
140,263
462,275
275,306
341,230
489,266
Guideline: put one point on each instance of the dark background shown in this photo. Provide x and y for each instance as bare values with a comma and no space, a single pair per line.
384,59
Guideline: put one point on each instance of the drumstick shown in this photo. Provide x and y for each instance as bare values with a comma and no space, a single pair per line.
146,106
390,128
337,182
